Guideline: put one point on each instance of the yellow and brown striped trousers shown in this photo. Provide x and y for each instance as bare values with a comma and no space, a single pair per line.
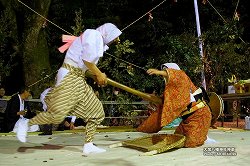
73,95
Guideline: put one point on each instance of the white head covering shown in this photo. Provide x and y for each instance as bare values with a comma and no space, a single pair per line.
109,32
170,65
176,67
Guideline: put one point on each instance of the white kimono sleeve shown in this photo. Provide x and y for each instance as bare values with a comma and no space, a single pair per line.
93,45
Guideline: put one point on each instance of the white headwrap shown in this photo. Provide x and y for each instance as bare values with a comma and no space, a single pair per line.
170,65
89,47
109,32
176,67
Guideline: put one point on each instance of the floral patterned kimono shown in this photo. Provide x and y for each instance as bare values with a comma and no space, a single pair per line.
176,100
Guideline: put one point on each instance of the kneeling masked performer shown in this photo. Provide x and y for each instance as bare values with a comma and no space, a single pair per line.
181,99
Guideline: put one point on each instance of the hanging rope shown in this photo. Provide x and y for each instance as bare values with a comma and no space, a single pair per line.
121,30
222,16
126,62
144,15
235,11
47,76
44,17
217,11
72,35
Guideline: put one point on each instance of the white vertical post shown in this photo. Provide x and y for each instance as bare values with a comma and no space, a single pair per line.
203,80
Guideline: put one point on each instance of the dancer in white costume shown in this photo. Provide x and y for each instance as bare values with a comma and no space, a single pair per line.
71,94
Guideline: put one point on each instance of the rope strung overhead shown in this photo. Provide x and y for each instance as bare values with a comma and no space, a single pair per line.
45,18
72,35
149,12
223,17
126,61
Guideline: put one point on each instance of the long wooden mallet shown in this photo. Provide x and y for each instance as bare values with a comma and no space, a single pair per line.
145,96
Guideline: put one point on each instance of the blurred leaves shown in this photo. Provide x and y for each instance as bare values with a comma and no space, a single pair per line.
170,37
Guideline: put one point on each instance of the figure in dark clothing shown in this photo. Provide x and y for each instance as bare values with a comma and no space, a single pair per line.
16,108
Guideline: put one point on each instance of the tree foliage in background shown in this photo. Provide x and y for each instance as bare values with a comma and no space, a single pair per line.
226,45
225,55
8,39
28,39
168,36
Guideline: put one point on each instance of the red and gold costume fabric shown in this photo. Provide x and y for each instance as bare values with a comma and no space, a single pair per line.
176,99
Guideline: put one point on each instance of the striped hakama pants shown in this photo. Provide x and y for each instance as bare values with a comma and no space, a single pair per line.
73,95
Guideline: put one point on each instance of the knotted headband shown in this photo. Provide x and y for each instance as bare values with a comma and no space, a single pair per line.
68,40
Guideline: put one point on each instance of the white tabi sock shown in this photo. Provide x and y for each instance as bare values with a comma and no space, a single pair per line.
89,148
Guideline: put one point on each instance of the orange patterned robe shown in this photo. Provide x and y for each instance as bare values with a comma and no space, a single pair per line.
176,99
